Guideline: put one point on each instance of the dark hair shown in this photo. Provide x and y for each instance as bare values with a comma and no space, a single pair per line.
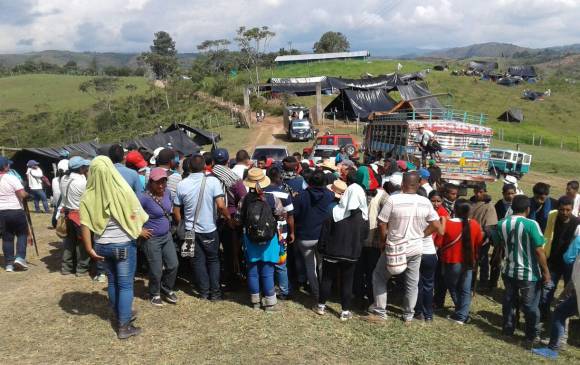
450,186
462,209
507,187
573,184
520,204
275,174
434,193
307,175
297,156
305,166
541,189
480,187
565,200
116,153
186,165
317,179
242,155
351,177
165,157
197,163
208,160
263,158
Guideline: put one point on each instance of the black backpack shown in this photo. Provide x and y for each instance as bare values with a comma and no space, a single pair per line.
258,219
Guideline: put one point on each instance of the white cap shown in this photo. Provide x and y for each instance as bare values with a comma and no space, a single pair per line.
62,165
395,179
509,179
155,154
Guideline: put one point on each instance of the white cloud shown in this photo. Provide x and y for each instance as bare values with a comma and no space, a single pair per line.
136,4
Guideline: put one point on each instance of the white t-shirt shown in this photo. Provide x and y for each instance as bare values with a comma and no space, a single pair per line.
239,170
34,177
72,194
9,185
55,190
428,188
424,138
576,209
408,215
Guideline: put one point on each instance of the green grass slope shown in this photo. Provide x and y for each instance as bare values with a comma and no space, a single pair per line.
33,93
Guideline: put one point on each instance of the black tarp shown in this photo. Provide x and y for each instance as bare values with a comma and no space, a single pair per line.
200,137
483,66
300,86
522,71
509,81
388,82
533,95
414,91
352,103
512,115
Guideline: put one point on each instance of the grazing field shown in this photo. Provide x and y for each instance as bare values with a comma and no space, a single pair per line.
44,93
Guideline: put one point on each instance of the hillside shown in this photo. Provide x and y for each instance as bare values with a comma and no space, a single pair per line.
491,49
83,59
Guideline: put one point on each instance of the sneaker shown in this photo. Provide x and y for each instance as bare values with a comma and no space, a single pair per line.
319,309
453,319
156,301
171,297
419,316
375,317
20,264
271,308
101,278
546,352
345,315
82,274
127,331
530,343
283,296
9,268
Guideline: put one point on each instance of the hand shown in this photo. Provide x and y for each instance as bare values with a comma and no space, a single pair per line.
95,256
546,278
146,233
290,238
231,223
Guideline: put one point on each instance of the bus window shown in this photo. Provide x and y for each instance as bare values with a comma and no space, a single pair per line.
507,156
497,154
527,159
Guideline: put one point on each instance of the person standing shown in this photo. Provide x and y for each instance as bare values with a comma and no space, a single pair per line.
572,192
167,159
34,176
117,155
340,245
435,174
458,248
12,218
293,181
243,163
111,211
503,207
423,139
525,268
75,259
158,244
199,195
542,204
406,219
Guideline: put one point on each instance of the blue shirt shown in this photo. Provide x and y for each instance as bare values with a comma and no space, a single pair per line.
131,176
158,221
187,194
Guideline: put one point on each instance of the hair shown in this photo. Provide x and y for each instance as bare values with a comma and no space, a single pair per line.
242,155
565,200
317,179
208,160
275,174
263,158
197,163
165,157
116,153
297,156
507,187
520,204
186,167
573,185
351,177
480,187
450,186
434,193
307,175
541,189
462,209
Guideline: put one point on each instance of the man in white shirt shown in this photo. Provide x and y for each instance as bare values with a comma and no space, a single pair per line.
572,192
242,163
34,176
406,218
422,139
72,187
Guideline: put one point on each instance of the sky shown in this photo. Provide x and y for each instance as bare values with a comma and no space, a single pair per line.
381,26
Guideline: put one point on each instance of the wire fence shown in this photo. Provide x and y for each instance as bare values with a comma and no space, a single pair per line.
569,143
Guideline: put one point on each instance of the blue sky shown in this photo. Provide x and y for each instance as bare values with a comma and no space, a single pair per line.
376,25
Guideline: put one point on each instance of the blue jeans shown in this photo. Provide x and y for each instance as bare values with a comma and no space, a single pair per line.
563,311
261,278
564,273
38,195
426,283
458,282
13,224
206,265
120,263
528,294
281,273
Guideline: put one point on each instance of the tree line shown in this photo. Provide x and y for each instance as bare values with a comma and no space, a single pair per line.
69,68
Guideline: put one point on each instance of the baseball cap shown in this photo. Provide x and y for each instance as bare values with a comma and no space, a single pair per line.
157,174
64,153
220,156
4,162
424,173
77,161
402,164
395,179
31,163
431,162
62,165
134,158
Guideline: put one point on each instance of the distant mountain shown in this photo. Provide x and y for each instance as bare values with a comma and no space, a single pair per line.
83,59
491,49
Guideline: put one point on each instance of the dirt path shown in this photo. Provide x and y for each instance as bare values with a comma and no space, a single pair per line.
270,131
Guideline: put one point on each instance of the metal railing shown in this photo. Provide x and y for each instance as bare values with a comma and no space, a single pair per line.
444,113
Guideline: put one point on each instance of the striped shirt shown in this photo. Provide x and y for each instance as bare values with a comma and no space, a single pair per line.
521,236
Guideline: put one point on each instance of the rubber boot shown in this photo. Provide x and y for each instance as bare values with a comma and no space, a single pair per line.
269,303
255,300
127,330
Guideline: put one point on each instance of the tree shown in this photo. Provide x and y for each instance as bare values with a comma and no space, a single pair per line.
163,56
331,42
253,43
102,89
216,52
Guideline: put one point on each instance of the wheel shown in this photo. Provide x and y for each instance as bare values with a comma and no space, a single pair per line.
349,149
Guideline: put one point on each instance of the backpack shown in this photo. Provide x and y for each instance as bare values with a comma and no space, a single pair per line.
258,220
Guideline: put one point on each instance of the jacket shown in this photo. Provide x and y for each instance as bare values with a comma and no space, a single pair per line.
343,240
311,208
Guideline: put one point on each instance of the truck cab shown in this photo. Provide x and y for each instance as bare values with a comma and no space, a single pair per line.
297,123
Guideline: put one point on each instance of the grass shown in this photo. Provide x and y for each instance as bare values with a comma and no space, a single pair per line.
39,93
64,319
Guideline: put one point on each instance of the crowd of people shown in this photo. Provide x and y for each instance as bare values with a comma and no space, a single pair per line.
369,229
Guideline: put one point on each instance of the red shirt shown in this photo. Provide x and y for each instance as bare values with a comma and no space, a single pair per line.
453,228
442,212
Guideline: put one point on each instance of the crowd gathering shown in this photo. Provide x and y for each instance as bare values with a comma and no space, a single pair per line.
368,230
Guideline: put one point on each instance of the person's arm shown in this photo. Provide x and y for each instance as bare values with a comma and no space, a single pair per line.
434,226
541,255
290,221
22,195
223,209
177,214
88,242
383,230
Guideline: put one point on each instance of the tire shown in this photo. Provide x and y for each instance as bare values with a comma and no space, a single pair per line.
350,149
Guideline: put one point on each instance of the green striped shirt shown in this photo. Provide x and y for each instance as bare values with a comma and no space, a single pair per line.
521,236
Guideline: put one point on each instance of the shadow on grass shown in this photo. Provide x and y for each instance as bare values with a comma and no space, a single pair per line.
53,260
83,304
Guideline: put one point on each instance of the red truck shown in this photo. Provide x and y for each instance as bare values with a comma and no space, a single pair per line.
351,147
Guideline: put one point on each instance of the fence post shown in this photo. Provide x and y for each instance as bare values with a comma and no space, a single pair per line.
533,139
334,120
562,143
464,117
540,141
357,120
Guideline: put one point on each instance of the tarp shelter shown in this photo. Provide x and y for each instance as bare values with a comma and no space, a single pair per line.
483,66
199,136
178,139
388,82
414,91
352,103
522,71
300,86
512,115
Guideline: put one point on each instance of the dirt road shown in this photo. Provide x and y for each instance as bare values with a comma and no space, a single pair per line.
270,131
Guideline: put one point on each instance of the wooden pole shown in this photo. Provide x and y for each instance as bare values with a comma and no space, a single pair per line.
247,109
562,143
533,139
357,121
319,103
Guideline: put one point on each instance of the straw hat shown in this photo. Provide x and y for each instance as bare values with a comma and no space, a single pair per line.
326,164
256,176
338,187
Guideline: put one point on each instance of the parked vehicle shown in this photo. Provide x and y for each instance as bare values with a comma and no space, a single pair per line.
324,152
509,162
351,147
275,152
297,123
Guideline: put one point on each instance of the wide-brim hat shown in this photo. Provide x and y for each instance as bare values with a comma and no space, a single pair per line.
256,176
326,164
338,187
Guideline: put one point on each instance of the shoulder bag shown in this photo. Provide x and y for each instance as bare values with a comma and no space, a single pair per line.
61,229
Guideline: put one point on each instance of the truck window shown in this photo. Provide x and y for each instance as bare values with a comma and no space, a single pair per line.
344,141
507,156
527,159
318,141
330,141
497,154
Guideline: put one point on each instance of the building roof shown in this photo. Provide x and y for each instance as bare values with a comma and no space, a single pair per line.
321,56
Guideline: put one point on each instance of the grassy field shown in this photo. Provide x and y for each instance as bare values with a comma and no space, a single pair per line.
38,93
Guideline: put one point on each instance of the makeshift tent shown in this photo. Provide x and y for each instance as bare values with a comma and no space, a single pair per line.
509,81
414,91
533,95
522,71
482,66
512,115
300,86
200,137
439,68
388,82
352,103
